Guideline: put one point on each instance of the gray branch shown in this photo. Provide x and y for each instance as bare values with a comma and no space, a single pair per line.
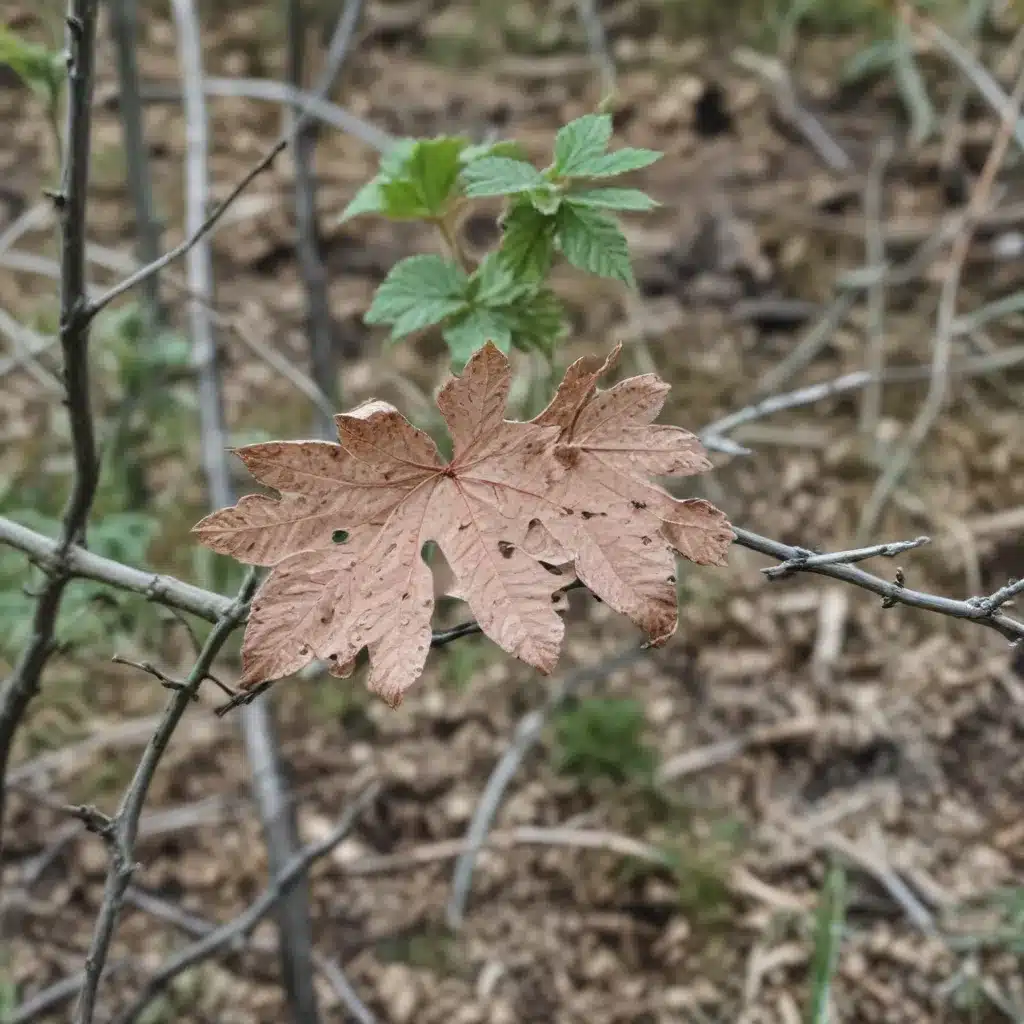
23,683
242,926
124,826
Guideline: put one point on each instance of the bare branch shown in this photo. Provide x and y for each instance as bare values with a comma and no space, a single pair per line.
973,610
23,683
809,560
125,823
241,926
165,590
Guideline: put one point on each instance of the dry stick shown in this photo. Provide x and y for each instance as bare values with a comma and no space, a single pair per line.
125,823
713,434
527,733
991,91
850,286
874,195
307,241
597,44
27,347
269,91
124,29
199,927
23,683
276,810
283,880
937,389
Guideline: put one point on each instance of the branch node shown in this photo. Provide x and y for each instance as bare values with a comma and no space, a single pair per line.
94,819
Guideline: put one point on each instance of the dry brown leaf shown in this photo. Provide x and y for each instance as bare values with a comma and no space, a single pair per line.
625,527
345,535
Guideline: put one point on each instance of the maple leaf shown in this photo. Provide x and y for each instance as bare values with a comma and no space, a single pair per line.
519,512
346,534
625,529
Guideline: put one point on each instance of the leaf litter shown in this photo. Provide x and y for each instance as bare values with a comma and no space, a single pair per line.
346,533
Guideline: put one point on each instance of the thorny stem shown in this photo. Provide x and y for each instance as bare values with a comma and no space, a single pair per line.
125,823
23,683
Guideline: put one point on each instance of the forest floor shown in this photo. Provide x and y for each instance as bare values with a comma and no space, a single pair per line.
793,724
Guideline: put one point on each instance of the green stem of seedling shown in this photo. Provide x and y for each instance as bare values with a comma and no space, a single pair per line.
451,241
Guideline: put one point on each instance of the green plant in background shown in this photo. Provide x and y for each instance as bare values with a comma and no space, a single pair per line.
563,208
150,420
600,738
41,69
829,925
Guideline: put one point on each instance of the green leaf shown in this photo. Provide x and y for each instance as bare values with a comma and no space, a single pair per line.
613,199
418,292
470,334
547,200
369,199
528,241
393,162
433,168
619,162
478,151
538,322
580,142
494,284
40,69
594,241
403,200
499,176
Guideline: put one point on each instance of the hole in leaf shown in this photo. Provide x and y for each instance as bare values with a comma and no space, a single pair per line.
339,536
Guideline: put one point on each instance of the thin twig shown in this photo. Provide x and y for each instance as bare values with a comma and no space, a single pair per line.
809,560
198,927
241,926
268,90
150,669
943,346
125,824
874,195
713,434
991,91
23,683
973,610
527,733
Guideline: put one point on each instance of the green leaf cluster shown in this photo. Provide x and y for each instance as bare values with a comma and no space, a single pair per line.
490,304
417,178
41,69
563,209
